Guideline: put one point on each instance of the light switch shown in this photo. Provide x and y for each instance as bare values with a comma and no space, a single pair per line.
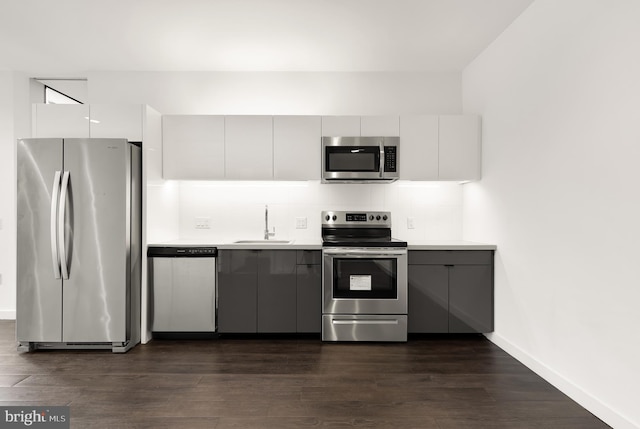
411,223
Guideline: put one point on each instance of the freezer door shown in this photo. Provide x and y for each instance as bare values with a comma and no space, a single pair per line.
97,240
39,293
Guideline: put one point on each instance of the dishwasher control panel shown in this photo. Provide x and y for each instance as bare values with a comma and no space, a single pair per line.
177,251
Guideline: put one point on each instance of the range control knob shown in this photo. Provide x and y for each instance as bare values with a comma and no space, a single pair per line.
370,217
334,217
378,217
327,217
384,217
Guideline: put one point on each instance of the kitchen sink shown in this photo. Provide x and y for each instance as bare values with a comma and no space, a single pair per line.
263,242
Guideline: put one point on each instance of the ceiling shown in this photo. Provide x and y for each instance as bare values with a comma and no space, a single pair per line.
72,37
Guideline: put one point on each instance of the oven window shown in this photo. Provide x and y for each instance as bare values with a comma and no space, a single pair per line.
365,158
365,278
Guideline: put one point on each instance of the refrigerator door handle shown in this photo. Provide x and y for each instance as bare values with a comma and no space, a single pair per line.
61,218
55,256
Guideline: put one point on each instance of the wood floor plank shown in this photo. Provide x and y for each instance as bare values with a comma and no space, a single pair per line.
11,380
439,382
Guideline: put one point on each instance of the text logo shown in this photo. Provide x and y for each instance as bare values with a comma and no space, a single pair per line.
35,417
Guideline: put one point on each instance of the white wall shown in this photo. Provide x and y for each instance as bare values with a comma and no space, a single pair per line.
236,209
14,123
7,193
278,93
559,93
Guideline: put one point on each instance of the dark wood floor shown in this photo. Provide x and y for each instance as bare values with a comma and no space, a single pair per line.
441,382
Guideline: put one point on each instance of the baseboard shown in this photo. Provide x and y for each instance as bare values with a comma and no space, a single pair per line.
7,315
575,392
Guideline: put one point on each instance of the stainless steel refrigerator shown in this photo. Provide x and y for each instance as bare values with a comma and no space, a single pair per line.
79,243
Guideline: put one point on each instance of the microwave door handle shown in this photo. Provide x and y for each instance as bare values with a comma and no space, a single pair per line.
381,167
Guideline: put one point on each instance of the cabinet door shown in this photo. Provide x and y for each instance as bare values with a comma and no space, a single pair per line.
428,299
459,147
380,126
418,147
193,147
248,147
296,147
61,120
338,126
237,291
277,291
309,298
116,121
471,298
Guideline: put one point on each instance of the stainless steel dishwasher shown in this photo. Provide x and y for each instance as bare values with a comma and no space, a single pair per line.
182,285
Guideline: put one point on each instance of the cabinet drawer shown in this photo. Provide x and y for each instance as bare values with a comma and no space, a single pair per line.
308,257
451,257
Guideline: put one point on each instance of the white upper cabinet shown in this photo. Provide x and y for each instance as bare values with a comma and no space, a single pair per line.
379,126
338,126
249,147
418,147
289,147
60,120
296,147
193,147
117,121
89,120
459,147
440,147
365,126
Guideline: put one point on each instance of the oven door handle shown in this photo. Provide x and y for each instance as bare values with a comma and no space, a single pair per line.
364,321
349,252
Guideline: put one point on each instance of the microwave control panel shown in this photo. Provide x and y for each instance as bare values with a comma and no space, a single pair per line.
390,163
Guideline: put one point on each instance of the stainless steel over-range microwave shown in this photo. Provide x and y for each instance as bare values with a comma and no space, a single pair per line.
360,159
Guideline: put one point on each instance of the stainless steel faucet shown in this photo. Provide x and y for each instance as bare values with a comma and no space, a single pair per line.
267,234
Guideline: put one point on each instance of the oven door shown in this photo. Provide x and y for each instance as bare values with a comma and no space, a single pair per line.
364,281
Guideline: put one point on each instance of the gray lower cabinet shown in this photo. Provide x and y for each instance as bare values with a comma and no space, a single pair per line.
237,291
450,291
428,299
309,291
269,291
471,298
276,291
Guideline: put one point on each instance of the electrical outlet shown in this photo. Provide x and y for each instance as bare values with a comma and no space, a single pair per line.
301,223
411,223
203,223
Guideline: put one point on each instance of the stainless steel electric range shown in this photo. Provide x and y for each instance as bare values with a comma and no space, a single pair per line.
364,278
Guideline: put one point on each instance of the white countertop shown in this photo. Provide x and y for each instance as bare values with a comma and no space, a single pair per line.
449,245
310,244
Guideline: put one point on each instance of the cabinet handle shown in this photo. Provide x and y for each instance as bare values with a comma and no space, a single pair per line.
449,265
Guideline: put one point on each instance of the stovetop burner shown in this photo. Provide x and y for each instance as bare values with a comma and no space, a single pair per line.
358,229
